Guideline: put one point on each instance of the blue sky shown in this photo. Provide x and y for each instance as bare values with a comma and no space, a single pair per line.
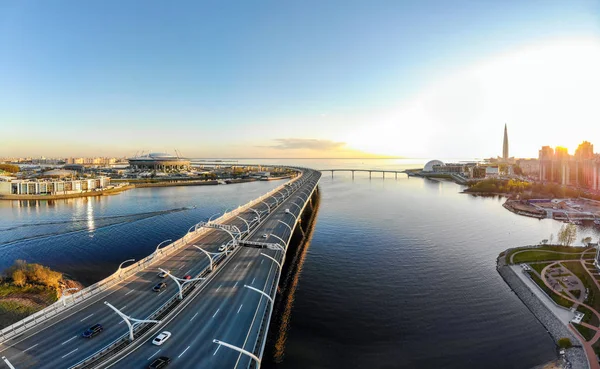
272,78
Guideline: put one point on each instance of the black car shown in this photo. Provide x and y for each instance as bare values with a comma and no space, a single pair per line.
159,287
92,331
160,363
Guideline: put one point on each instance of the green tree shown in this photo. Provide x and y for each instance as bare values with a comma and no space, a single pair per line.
567,234
586,240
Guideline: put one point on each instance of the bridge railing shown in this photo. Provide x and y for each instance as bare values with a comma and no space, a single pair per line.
67,302
261,339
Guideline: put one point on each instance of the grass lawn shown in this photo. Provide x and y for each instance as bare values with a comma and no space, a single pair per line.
538,267
587,333
540,255
589,317
554,296
572,249
17,303
576,293
593,299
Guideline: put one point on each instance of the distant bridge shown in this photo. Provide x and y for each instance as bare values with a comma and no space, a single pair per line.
370,171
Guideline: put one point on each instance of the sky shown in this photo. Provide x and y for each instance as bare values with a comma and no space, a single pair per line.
298,79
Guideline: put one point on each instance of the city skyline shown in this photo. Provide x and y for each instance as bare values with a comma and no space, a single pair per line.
308,81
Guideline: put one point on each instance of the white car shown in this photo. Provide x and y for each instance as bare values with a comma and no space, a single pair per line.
164,274
161,338
222,248
287,210
265,235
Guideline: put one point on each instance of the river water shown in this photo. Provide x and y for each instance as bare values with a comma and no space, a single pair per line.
400,273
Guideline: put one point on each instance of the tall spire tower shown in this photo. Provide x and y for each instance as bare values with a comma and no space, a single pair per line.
505,145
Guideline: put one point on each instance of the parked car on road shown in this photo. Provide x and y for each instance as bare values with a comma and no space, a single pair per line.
222,248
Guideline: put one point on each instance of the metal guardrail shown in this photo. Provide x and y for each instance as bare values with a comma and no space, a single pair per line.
261,338
72,300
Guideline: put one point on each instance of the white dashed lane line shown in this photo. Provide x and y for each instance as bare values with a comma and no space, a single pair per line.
69,340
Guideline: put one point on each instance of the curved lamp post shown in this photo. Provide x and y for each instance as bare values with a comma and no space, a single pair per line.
160,244
284,246
245,221
247,353
121,265
129,319
285,224
209,219
179,280
257,213
299,207
274,260
268,206
208,254
64,298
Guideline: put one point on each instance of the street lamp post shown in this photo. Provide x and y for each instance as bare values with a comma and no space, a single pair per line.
247,224
257,213
160,244
64,298
247,353
121,265
280,239
274,260
129,319
179,280
285,224
208,254
268,206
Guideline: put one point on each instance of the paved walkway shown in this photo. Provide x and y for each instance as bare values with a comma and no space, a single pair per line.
562,314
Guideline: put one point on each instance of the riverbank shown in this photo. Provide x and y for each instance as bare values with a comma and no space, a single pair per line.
132,185
576,355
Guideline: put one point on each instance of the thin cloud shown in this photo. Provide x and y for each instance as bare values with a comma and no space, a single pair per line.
306,144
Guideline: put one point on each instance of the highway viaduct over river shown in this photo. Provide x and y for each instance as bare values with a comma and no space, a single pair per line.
370,171
218,319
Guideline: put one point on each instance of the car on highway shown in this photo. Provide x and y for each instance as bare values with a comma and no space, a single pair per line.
160,363
188,277
287,210
159,287
92,331
222,248
161,338
164,274
265,235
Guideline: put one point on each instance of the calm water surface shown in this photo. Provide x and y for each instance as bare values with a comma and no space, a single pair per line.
399,274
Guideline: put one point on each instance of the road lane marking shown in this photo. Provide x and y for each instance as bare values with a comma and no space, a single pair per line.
218,347
69,340
121,322
235,267
219,287
193,317
188,272
183,352
86,317
216,312
30,347
261,261
129,292
123,307
69,353
235,285
240,308
253,280
154,354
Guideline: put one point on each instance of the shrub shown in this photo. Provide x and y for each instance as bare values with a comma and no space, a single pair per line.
564,343
19,278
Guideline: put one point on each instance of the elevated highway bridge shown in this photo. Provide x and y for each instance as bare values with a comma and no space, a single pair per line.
222,318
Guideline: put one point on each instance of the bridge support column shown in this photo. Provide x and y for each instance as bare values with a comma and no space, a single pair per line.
352,174
369,174
396,175
383,175
332,174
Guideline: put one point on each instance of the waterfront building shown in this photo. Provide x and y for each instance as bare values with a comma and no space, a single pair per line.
530,167
159,162
580,170
52,186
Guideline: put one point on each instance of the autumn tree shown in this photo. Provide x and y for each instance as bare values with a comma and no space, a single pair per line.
567,234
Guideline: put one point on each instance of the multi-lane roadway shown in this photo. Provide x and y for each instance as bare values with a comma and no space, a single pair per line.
57,343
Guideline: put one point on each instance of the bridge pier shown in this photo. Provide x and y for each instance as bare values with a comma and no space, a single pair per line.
369,174
396,175
352,174
383,175
332,174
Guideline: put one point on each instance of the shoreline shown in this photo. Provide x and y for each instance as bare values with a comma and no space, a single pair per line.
575,355
118,190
